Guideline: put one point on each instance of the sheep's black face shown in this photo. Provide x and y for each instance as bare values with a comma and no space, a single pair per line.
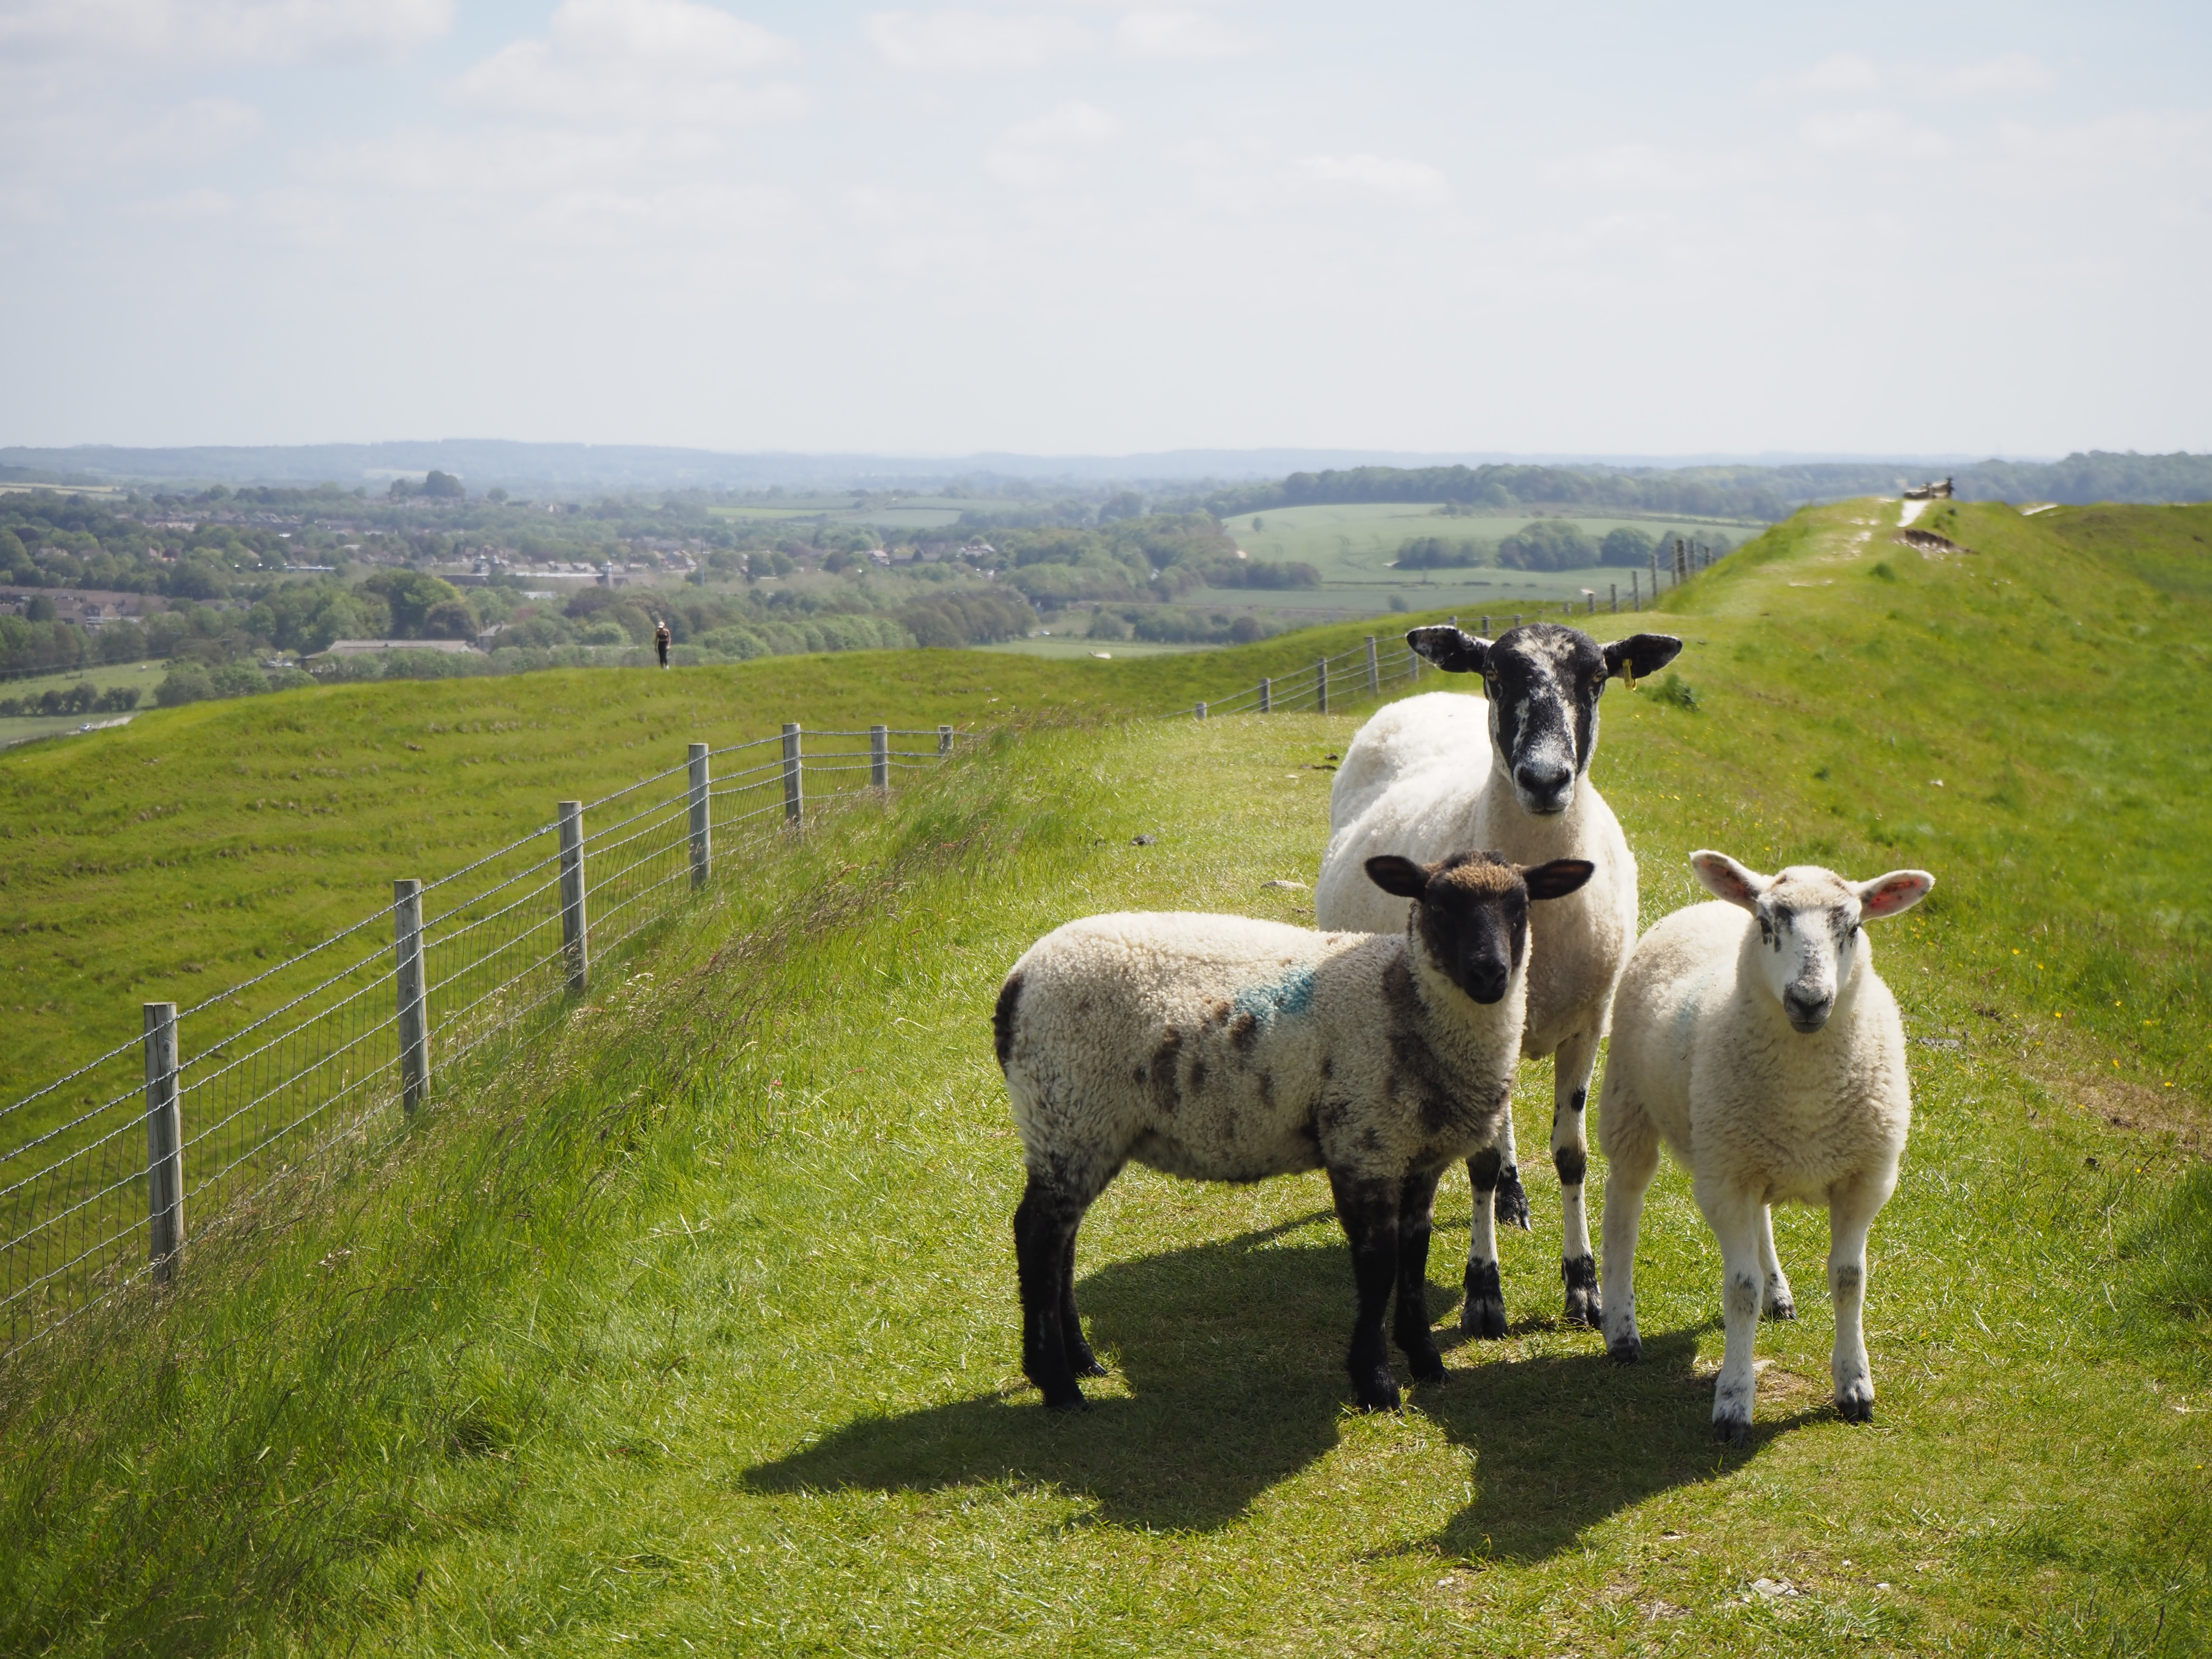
1472,911
1543,681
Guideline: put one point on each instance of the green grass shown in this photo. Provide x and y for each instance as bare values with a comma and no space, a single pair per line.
182,854
693,1327
1353,547
1079,649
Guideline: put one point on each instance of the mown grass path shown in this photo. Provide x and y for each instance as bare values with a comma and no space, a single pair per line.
693,1329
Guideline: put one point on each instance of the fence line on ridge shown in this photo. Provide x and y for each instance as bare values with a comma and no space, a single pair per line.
107,1173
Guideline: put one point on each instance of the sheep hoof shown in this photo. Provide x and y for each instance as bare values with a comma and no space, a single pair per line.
1583,1304
1073,1401
1426,1367
1084,1362
1509,1204
1857,1406
1378,1393
1782,1308
1483,1314
1627,1350
1731,1431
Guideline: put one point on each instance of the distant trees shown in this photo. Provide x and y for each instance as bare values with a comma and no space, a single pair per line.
1625,545
958,619
1435,553
1546,544
1262,572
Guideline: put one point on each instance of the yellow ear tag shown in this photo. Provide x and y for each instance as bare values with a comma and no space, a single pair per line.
1628,671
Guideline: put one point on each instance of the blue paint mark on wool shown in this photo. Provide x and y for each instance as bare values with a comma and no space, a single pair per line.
1291,996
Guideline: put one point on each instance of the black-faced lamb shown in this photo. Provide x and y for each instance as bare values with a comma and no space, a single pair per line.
1222,1048
1416,779
1754,1039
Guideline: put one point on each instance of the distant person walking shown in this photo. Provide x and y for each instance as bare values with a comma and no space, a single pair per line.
661,637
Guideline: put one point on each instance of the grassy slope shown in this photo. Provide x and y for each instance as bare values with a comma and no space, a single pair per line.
698,1328
187,851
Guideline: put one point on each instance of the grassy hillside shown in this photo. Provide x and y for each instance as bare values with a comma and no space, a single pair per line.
180,854
695,1328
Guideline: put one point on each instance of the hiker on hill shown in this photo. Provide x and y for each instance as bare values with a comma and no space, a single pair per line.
661,637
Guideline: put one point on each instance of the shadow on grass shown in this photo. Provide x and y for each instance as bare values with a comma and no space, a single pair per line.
1232,1354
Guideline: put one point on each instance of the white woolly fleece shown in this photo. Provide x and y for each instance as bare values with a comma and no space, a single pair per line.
1222,1048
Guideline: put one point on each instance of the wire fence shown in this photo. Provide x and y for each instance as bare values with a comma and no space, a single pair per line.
102,1169
1361,673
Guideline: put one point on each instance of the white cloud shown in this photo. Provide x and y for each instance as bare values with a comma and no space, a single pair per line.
222,31
653,61
1642,166
2014,71
971,39
1881,134
1177,34
1394,178
1069,123
1845,71
1031,153
1848,74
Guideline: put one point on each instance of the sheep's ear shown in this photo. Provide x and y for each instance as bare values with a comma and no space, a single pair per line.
1452,649
1725,878
1400,877
1639,654
1558,878
1893,894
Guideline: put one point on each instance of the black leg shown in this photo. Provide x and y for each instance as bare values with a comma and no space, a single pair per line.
1368,1213
1044,1253
1080,1360
1416,1202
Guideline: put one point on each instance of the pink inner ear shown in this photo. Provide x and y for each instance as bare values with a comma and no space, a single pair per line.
1893,895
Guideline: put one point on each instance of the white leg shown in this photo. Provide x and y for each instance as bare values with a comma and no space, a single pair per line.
1851,1213
1511,1202
1632,1159
1733,1218
1572,1066
1483,1313
1775,1298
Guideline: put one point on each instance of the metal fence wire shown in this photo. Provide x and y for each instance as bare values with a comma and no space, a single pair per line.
107,1172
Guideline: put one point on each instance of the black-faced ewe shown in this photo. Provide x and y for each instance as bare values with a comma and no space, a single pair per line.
1221,1049
1753,1037
1417,779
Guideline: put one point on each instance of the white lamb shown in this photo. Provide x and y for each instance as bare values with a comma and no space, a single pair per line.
1508,771
1768,1055
1222,1048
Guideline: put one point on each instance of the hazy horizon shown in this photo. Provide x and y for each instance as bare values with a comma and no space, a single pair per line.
1086,230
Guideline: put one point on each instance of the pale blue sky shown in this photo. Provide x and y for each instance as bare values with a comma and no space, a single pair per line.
1074,225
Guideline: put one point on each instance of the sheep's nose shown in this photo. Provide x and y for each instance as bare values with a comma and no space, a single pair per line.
1541,779
1807,1013
1486,981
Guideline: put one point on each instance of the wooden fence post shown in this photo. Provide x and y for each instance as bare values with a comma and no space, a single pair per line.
1636,588
1321,686
165,1144
575,940
413,1006
1267,695
794,789
1485,628
702,835
1374,673
880,757
1615,586
1201,711
943,739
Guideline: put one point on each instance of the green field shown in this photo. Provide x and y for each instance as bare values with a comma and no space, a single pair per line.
693,1328
1078,649
1352,548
